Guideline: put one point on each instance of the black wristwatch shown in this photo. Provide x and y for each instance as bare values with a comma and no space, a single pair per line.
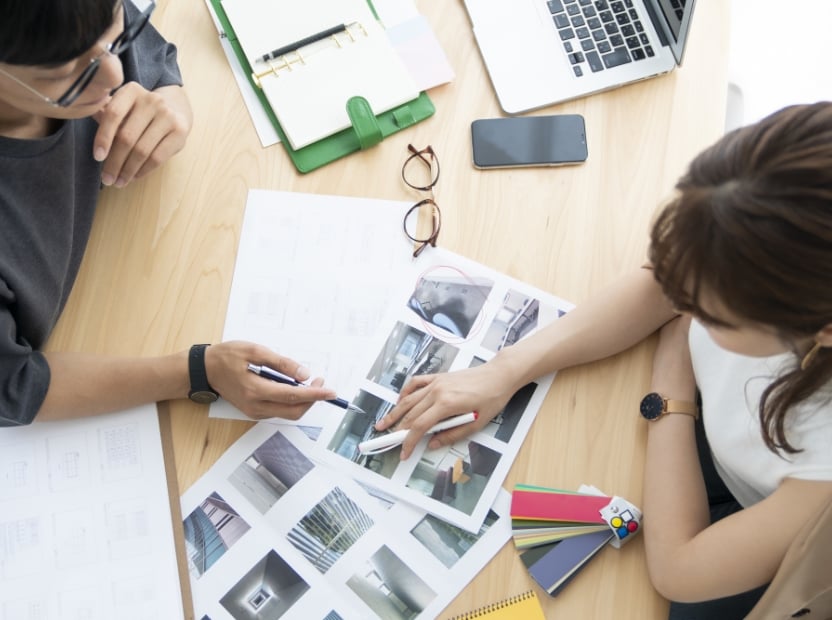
201,391
655,406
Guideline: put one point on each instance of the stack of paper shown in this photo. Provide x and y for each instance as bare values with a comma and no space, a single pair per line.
557,532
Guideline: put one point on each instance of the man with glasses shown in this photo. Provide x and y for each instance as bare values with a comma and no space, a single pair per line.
90,94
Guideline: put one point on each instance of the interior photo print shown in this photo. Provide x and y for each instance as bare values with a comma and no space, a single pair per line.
450,300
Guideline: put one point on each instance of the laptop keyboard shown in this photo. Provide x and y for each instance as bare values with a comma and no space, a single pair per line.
600,34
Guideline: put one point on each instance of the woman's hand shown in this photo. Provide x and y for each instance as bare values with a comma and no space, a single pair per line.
428,399
139,129
257,397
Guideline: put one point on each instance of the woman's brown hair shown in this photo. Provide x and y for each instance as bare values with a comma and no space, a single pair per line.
752,225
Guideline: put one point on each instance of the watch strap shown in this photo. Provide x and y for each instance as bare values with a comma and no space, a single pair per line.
686,407
198,375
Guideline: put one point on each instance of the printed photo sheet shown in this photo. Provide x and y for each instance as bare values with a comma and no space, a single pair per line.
454,314
86,528
271,534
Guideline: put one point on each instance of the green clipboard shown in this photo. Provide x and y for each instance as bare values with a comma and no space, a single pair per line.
367,129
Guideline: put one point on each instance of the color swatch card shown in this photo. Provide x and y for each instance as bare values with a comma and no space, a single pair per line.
557,532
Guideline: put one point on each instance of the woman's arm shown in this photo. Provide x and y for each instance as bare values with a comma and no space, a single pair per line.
620,316
689,559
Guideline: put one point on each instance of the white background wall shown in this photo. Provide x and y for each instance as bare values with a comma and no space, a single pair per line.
780,54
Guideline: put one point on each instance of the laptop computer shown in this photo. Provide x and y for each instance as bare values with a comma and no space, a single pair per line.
540,52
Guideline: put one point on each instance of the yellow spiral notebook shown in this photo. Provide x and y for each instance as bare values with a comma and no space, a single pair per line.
523,606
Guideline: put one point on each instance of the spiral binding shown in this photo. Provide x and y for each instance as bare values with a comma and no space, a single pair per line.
482,612
287,61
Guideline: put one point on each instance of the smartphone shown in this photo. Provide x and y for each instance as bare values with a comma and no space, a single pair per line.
554,140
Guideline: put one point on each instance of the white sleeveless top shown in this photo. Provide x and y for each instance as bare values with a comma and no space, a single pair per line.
731,387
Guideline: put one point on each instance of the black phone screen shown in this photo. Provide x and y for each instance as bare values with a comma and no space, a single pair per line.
529,141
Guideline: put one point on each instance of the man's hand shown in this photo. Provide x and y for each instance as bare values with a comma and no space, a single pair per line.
139,130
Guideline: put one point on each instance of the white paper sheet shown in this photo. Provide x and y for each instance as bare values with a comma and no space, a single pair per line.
312,280
86,528
297,540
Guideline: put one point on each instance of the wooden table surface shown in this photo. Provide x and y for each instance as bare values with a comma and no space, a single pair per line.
157,272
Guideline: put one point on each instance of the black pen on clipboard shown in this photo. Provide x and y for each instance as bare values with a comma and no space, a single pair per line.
314,38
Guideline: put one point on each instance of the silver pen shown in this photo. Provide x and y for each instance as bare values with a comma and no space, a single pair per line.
279,377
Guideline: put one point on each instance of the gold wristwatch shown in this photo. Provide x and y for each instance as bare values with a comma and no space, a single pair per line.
655,406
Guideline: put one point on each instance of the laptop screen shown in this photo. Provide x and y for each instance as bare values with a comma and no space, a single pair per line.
676,23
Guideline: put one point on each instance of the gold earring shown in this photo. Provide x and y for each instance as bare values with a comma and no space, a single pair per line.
810,356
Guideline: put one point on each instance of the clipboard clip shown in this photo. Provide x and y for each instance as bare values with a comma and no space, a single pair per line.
364,122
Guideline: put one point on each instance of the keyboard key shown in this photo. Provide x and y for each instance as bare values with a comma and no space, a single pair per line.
606,16
601,5
599,35
632,42
589,11
576,58
649,51
573,9
611,28
643,38
604,46
638,54
578,20
594,62
587,45
578,71
585,2
619,56
566,34
583,33
561,20
627,31
617,7
628,3
617,40
633,14
555,6
639,27
622,18
594,23
568,47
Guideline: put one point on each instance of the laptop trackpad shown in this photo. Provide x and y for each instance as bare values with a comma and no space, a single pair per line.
518,43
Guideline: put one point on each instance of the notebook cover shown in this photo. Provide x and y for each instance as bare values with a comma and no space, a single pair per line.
337,145
524,606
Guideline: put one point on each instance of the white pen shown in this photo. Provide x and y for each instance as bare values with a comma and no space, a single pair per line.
391,440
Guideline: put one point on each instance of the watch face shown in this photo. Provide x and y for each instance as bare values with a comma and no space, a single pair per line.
652,406
203,397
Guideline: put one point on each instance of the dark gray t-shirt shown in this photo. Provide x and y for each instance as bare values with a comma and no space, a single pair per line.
48,193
